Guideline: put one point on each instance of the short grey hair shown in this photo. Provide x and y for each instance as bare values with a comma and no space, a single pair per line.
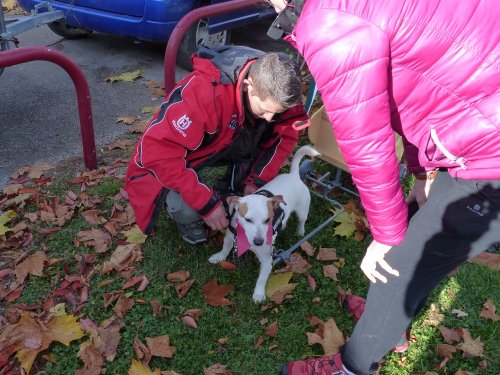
276,76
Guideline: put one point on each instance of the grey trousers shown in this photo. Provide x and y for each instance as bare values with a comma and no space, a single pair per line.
178,210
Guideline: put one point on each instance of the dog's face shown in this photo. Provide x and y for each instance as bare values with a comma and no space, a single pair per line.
255,213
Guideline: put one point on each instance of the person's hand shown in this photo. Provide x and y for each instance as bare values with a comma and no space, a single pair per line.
249,190
419,192
217,220
375,255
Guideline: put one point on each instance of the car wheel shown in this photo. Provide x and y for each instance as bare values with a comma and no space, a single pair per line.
67,31
198,35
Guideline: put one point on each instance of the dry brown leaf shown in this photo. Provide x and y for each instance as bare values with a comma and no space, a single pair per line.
450,336
326,334
227,265
178,276
308,248
121,144
260,340
123,305
156,306
272,330
183,288
127,120
435,317
311,282
91,358
36,170
489,311
106,337
123,257
446,350
298,264
195,313
189,321
223,340
160,346
470,347
142,352
279,296
139,368
93,217
33,265
327,254
490,260
215,294
96,238
217,369
330,271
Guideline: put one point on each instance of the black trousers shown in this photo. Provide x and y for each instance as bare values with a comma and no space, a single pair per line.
459,221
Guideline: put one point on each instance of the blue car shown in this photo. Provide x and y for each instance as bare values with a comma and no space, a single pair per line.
147,20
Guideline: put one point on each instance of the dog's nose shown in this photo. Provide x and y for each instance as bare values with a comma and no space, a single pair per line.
258,241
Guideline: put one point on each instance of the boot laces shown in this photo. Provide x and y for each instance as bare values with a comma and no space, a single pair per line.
323,366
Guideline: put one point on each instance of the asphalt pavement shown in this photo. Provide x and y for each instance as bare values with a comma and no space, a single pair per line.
38,111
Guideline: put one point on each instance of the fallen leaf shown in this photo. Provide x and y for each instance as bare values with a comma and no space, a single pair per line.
156,306
489,311
178,276
260,340
298,264
91,358
96,238
346,227
125,77
272,330
459,313
139,368
93,217
135,235
470,347
142,352
160,346
33,265
434,317
490,260
446,350
326,334
311,282
276,282
183,288
217,369
308,248
327,254
121,144
127,120
330,271
37,170
123,305
227,265
279,296
189,321
4,219
215,294
450,336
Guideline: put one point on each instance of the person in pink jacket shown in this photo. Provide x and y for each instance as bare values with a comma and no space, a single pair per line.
429,71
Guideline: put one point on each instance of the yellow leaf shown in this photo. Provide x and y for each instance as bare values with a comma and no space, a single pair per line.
125,77
138,368
4,219
346,227
9,5
64,329
59,309
148,109
135,235
277,282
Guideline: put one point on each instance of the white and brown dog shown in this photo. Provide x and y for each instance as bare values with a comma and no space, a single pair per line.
257,218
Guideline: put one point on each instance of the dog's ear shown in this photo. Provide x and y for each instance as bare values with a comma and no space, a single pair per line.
276,200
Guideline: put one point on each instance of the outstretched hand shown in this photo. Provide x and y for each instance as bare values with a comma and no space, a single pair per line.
217,220
375,254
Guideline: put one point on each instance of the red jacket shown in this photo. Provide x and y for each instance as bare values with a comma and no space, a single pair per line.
428,70
200,118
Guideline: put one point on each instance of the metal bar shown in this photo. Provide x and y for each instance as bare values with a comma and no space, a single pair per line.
27,54
23,24
183,26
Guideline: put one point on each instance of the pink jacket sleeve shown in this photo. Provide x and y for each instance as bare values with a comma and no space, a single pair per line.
349,59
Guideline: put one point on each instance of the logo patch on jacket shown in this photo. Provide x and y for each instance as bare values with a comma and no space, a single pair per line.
233,123
182,124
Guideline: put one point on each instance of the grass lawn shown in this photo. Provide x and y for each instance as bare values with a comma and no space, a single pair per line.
225,335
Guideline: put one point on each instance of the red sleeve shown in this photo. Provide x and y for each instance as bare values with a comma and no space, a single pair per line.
276,149
178,127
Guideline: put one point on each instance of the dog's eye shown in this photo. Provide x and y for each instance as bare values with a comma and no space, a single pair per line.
248,220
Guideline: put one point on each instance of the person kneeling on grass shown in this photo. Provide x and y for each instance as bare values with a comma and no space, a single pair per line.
236,109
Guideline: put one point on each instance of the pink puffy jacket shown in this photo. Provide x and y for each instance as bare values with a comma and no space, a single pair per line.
427,69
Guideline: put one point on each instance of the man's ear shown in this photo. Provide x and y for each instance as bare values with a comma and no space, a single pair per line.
248,84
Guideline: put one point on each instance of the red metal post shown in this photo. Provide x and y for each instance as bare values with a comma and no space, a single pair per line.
27,54
183,26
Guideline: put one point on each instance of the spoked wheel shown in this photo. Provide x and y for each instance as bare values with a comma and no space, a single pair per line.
198,35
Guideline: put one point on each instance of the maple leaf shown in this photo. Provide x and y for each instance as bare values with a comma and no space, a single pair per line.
106,337
178,276
125,77
470,347
98,239
121,144
160,346
4,219
489,311
435,317
139,368
217,369
141,351
33,265
450,336
93,217
215,294
307,248
140,127
330,271
276,282
12,189
490,260
127,120
326,334
124,256
135,235
29,336
149,109
298,264
327,254
37,170
446,350
91,358
346,227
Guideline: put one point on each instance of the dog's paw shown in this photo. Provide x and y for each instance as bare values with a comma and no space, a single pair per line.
217,258
259,296
301,231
